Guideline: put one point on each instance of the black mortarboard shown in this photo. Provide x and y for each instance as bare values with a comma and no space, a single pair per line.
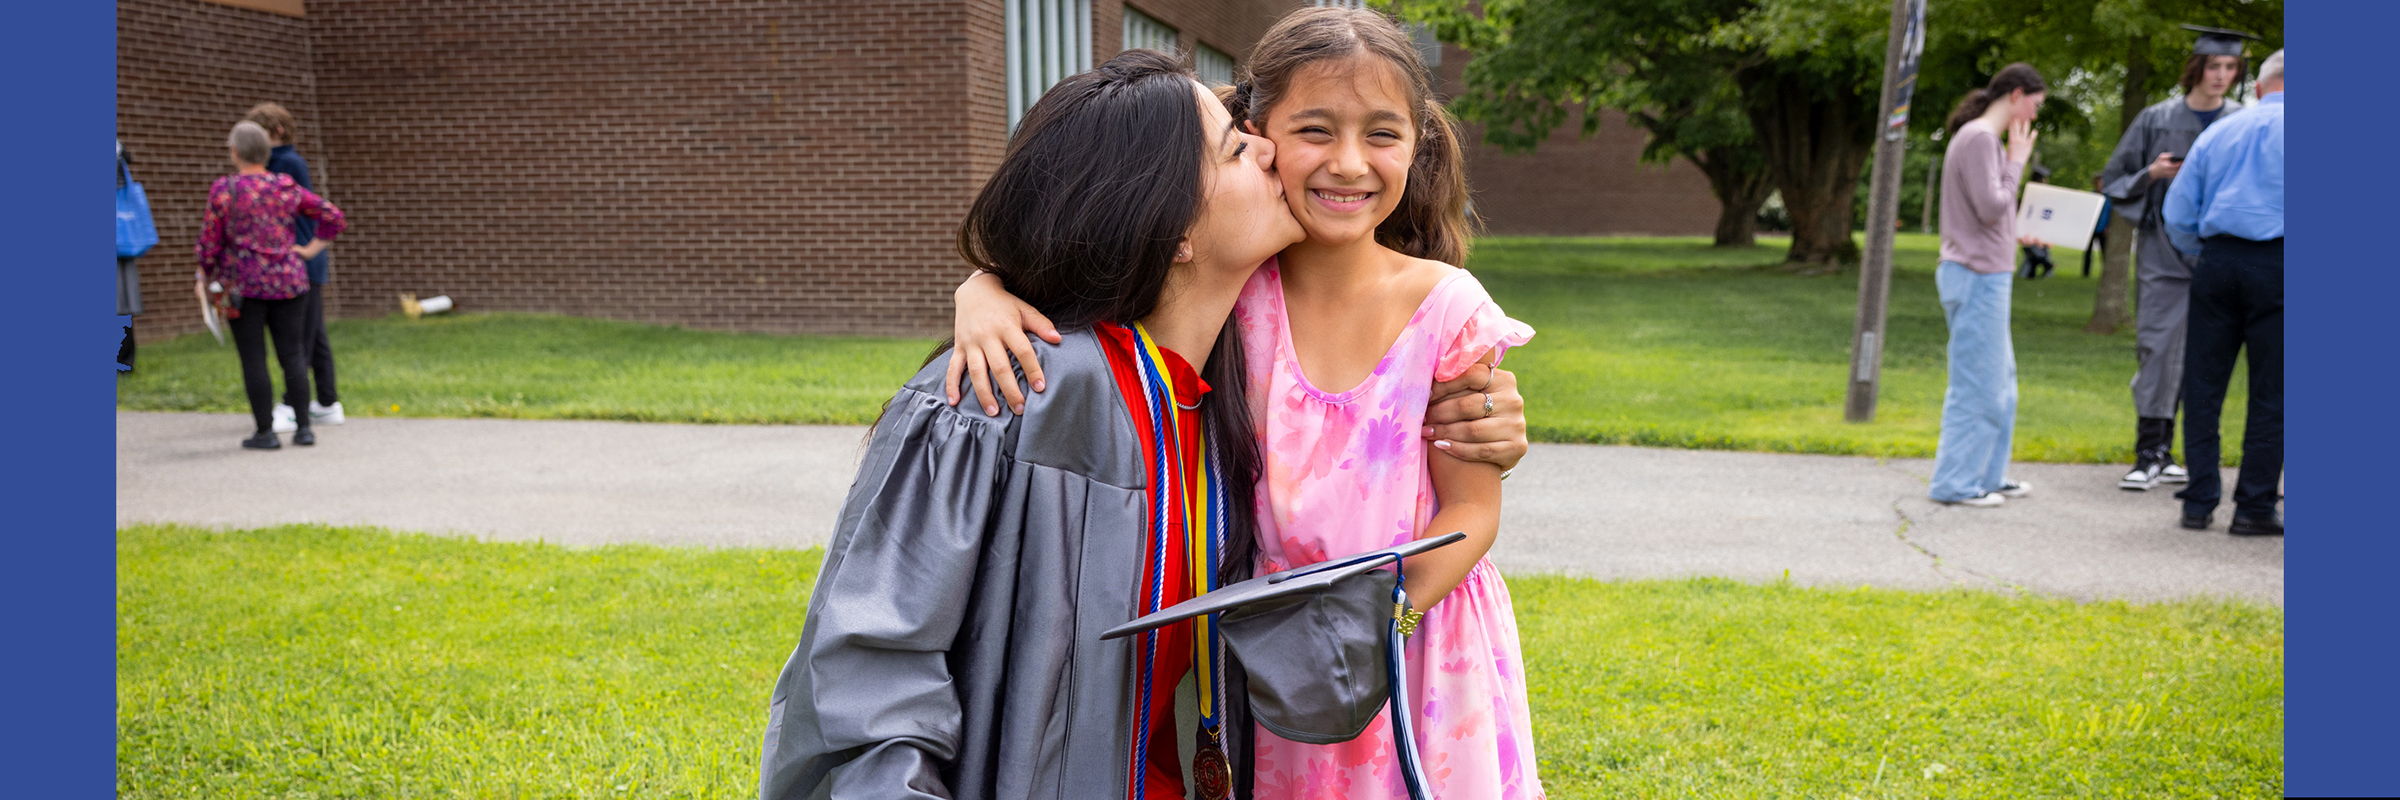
2218,41
1321,645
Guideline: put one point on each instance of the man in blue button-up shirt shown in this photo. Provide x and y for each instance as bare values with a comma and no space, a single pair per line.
2227,206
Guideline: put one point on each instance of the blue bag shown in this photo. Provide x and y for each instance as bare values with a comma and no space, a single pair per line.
136,234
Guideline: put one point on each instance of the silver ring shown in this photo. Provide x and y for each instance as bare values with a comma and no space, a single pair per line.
1487,404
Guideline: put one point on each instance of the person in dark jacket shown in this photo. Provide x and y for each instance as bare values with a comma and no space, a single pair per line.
315,349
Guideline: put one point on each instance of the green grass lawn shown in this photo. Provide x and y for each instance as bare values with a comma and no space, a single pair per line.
539,366
1642,341
1671,342
341,662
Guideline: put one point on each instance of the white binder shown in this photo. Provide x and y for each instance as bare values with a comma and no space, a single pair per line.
2061,217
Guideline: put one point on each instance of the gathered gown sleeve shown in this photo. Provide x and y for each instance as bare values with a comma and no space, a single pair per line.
2126,176
867,706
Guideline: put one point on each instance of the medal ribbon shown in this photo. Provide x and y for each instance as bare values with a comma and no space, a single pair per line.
1204,525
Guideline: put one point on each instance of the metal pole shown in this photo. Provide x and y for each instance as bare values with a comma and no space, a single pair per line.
1883,207
1932,171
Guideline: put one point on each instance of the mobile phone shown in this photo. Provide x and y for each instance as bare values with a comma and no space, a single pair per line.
2175,158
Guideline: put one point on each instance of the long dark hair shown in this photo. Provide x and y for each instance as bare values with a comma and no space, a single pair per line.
1431,221
1083,219
2015,76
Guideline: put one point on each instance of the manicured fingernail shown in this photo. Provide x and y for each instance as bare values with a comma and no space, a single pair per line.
1039,385
991,411
1428,432
1442,443
1018,408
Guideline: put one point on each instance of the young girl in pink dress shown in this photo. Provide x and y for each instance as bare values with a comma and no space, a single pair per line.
1344,334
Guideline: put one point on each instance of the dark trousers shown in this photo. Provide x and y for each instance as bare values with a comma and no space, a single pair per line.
318,351
286,320
2237,302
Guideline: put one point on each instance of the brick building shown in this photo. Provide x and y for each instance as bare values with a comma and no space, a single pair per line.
759,165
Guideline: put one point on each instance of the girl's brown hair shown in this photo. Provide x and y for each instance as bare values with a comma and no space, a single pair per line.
1431,221
2015,76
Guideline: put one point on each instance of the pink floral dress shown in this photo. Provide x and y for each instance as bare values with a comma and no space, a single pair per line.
1345,473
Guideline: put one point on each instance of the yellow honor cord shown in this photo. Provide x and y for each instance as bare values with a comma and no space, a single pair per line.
1197,529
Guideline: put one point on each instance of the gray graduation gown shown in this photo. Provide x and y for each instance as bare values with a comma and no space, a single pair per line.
952,647
2163,273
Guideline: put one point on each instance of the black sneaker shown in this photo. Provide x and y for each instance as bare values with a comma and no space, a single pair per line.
304,437
263,440
2268,525
2145,475
2198,523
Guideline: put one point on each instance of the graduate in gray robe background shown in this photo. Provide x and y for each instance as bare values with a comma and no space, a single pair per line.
2137,177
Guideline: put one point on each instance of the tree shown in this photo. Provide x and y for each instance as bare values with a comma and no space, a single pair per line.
1648,60
1803,75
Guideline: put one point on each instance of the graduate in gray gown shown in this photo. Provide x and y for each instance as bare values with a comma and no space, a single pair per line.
952,645
2137,177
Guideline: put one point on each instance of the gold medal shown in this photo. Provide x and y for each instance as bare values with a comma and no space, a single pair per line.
1212,775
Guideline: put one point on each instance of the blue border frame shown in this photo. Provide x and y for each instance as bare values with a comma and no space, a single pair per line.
2343,661
2342,667
58,579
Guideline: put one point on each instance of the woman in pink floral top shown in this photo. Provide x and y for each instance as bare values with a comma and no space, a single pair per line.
246,245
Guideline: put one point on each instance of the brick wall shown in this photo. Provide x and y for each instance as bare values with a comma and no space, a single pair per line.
1570,186
186,71
734,164
1231,26
737,164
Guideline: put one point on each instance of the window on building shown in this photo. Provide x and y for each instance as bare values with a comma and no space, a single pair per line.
1142,31
1428,48
1214,66
1048,40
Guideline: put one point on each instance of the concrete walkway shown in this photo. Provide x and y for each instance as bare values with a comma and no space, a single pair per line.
1610,512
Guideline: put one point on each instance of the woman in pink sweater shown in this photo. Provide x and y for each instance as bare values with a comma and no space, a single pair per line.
1979,242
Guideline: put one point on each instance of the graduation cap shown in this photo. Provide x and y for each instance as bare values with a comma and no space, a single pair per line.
2218,41
1322,647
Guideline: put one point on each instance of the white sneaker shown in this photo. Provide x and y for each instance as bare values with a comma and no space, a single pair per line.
1985,500
325,415
2015,489
2174,473
285,422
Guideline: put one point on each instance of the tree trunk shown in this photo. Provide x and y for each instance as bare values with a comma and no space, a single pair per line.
1816,136
1739,180
2110,311
2136,94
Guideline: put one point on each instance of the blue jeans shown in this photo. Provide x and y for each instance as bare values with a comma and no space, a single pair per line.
1979,412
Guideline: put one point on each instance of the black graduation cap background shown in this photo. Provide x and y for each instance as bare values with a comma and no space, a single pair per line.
2218,41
